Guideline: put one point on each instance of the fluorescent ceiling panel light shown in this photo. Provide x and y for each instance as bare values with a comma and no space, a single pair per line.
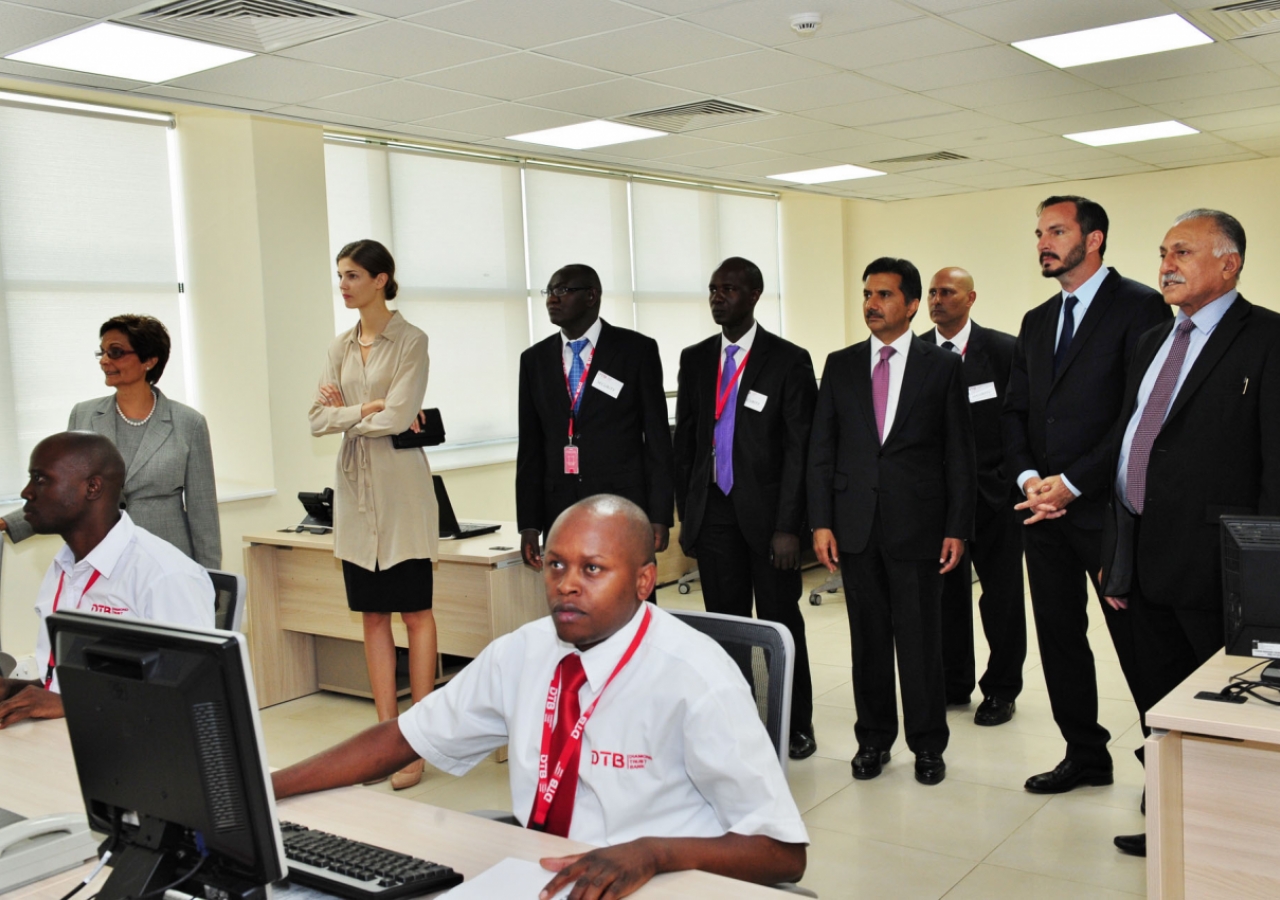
830,173
1131,134
1094,45
585,135
132,53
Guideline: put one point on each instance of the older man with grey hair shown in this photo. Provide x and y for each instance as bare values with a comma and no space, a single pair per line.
1202,438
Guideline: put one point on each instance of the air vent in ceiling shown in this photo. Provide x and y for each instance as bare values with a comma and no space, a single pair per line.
690,116
938,156
262,26
1239,20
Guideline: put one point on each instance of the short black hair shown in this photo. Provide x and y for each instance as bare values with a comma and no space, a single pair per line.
582,270
148,337
1090,215
906,271
375,259
749,271
1230,231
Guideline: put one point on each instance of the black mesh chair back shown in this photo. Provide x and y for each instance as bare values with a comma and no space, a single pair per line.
228,599
765,652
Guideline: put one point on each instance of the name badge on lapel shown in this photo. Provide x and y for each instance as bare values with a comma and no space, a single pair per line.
607,383
755,400
980,392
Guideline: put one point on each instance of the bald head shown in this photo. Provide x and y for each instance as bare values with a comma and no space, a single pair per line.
90,453
616,518
76,481
951,295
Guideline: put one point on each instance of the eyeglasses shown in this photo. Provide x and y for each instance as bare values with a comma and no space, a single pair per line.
561,289
114,353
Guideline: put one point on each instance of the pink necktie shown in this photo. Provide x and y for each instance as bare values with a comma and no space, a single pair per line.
1153,418
880,388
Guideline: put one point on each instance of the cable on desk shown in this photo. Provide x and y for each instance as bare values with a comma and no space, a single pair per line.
1239,685
160,892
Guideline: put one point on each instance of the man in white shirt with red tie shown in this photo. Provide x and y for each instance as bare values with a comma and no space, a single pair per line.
666,764
108,565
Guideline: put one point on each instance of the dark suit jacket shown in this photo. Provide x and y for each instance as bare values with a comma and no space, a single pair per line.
770,445
923,478
624,443
987,361
1217,453
1062,424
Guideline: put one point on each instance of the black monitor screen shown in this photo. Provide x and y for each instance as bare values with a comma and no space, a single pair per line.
168,748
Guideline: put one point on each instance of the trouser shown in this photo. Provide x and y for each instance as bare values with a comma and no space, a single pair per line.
996,554
732,573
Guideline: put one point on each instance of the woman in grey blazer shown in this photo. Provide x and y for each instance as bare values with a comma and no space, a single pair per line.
169,487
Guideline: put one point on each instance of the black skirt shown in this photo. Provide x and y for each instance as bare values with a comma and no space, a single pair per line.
405,587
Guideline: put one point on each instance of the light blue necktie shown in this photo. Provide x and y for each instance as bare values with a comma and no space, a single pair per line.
576,368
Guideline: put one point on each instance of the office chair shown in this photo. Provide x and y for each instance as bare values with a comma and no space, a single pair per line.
228,599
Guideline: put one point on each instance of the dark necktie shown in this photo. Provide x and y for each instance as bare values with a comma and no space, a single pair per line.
947,345
1135,490
1068,331
572,678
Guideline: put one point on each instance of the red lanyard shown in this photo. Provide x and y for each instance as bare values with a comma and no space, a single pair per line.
574,395
48,676
547,787
722,399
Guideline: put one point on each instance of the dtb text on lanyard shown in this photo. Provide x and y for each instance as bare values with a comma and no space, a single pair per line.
48,675
570,451
547,786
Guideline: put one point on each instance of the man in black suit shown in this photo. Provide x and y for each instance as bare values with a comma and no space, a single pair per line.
996,548
593,416
1065,390
892,485
743,414
1201,438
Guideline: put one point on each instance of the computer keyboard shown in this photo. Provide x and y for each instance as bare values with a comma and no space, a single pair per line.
349,868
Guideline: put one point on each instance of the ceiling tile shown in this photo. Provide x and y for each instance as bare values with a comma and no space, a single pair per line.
1154,66
978,64
768,22
1018,20
1051,159
1265,146
65,76
930,125
275,78
1240,118
399,101
777,165
1034,86
999,134
823,141
1264,48
438,134
1238,156
950,6
955,172
207,97
902,42
501,120
1107,168
1155,154
93,9
1225,102
1018,152
22,26
395,9
723,156
527,24
1186,86
886,109
615,98
1057,107
747,71
1096,121
812,93
1251,132
677,7
754,131
671,145
396,49
1010,179
329,117
515,76
649,48
863,154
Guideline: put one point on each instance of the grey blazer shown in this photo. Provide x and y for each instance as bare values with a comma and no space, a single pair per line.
169,488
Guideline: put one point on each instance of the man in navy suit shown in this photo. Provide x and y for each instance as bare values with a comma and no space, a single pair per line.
996,548
892,483
593,416
743,414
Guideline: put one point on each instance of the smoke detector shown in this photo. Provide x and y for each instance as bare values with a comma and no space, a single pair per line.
806,23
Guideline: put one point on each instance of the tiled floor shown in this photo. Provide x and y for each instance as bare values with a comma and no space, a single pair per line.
977,836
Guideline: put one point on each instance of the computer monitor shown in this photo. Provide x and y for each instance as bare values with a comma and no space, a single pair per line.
1251,585
168,749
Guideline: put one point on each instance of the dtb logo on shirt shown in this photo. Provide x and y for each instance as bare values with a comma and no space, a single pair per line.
611,760
109,610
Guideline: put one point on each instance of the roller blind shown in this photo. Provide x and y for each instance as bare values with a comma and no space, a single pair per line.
86,232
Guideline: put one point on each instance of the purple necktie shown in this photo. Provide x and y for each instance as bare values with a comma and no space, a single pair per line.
880,388
1153,418
724,425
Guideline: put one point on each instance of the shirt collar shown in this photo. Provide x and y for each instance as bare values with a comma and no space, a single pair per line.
1208,316
961,339
395,325
592,335
901,344
600,660
104,557
1086,292
743,342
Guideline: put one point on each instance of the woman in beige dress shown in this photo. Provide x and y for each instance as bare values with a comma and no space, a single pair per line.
385,519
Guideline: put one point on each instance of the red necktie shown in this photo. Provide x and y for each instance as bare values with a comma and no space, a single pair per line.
572,678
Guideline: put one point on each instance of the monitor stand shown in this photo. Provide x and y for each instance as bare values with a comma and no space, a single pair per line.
149,863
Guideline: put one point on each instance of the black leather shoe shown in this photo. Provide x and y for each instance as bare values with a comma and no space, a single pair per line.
802,745
994,711
1133,844
930,769
1068,776
868,762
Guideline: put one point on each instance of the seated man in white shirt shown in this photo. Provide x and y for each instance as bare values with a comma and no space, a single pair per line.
673,769
108,564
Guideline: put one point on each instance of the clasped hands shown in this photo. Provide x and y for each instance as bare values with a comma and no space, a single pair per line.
331,395
1047,498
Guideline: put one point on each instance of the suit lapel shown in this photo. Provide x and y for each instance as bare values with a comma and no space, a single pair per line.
105,420
860,383
157,432
1233,322
761,347
912,380
601,357
1093,315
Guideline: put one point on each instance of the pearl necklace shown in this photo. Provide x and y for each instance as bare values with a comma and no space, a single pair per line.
138,423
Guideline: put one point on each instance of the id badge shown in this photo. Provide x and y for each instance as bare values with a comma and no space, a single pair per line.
571,460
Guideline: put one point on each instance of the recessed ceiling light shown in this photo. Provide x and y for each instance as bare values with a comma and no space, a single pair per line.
830,173
585,135
1079,48
133,53
1131,134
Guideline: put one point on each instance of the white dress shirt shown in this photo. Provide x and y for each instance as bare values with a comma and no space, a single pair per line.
1084,296
961,339
743,344
897,365
675,748
592,335
140,576
1205,320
